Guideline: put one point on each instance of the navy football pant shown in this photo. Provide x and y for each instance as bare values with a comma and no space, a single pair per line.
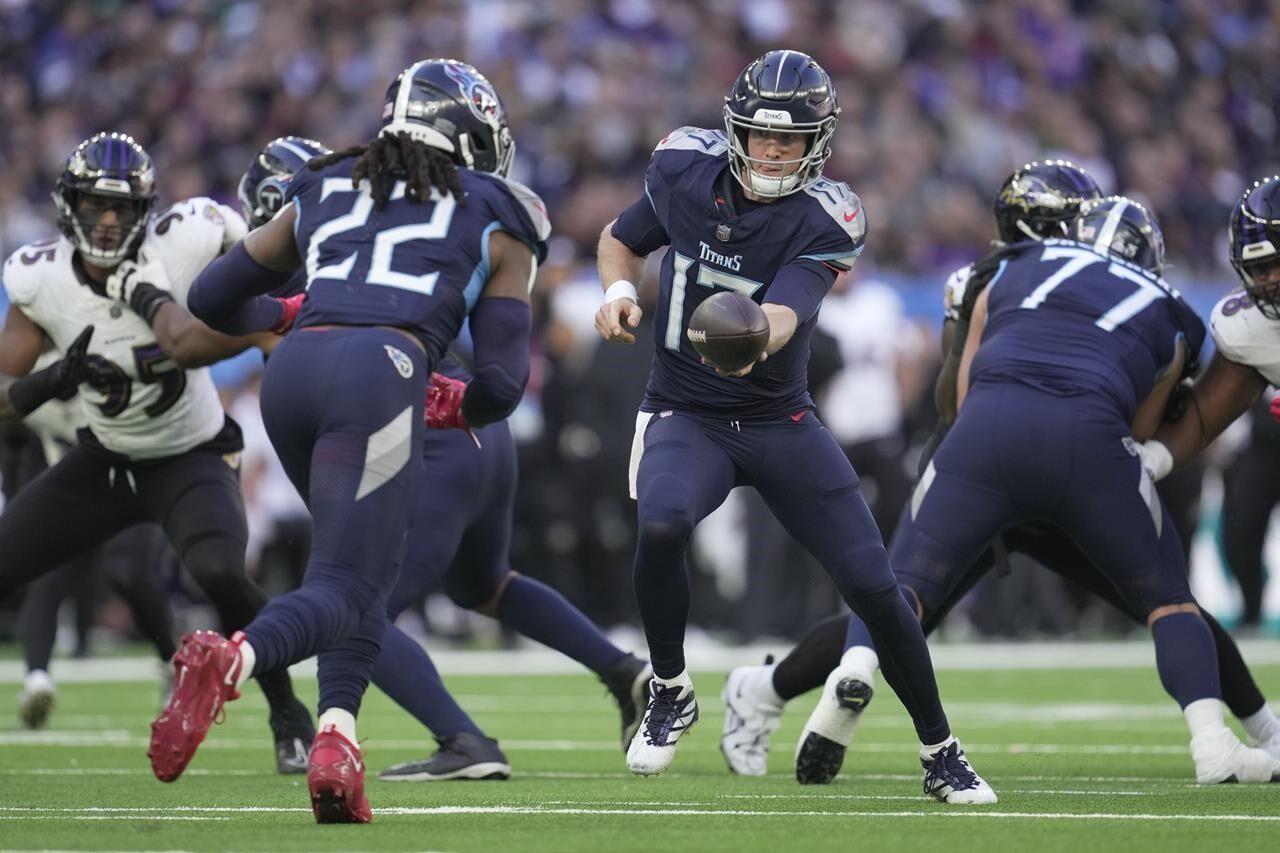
343,410
1016,456
460,537
686,468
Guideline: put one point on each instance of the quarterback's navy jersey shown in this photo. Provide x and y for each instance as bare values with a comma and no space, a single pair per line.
417,266
1066,319
786,252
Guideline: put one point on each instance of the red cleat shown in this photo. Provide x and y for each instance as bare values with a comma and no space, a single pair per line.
335,775
205,671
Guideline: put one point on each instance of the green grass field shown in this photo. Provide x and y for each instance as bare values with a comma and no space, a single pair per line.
1083,759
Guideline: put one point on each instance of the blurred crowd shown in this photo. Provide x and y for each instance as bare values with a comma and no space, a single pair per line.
1175,103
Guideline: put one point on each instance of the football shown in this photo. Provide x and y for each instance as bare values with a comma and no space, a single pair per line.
729,330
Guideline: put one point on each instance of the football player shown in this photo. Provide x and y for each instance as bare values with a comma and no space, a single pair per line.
158,447
1081,344
747,209
402,239
458,540
1037,201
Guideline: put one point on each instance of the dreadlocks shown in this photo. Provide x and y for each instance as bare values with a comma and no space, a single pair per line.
388,158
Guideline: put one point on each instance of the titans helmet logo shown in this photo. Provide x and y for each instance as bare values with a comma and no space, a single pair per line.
477,92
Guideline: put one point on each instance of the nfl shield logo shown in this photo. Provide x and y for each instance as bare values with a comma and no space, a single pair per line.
722,233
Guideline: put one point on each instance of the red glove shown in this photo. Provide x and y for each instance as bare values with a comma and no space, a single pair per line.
1275,407
291,306
444,405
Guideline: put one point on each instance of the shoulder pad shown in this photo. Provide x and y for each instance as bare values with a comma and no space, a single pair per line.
532,204
698,139
24,269
843,207
1239,329
953,291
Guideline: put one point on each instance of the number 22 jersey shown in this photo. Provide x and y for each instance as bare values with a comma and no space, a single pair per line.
141,405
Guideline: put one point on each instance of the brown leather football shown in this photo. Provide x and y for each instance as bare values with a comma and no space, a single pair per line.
729,330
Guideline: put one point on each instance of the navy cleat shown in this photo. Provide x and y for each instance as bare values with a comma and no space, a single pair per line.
829,730
949,778
461,756
628,683
293,733
671,712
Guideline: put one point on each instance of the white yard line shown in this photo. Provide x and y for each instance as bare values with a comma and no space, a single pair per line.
539,661
220,813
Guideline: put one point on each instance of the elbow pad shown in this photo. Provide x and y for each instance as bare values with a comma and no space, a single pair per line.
227,294
500,329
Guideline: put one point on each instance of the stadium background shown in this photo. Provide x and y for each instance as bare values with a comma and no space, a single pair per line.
1173,103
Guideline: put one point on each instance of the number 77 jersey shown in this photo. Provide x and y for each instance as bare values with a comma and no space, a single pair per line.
1066,319
419,266
140,404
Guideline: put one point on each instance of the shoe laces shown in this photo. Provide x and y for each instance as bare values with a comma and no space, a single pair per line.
665,709
949,768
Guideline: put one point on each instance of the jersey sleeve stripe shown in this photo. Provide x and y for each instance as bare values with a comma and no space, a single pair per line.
471,293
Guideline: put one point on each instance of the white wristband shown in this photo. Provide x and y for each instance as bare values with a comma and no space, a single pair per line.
1157,458
621,289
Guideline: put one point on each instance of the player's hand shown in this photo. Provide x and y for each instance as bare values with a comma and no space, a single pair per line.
615,317
1275,407
291,305
74,368
444,405
740,372
142,284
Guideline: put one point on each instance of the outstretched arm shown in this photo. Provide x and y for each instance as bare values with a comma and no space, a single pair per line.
228,295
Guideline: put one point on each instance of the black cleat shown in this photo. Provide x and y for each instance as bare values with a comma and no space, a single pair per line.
628,683
461,756
293,734
830,727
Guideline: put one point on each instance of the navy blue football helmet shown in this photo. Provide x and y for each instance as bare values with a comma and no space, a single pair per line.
450,105
261,189
1041,199
108,171
1122,228
782,91
1255,244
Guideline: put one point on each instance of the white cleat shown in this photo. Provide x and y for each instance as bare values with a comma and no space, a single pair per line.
1221,757
671,712
36,699
829,730
950,778
749,722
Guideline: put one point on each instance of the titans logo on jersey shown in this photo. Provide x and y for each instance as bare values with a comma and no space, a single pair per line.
1066,319
141,404
366,266
786,252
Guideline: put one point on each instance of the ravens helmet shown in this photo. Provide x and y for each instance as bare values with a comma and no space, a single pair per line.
782,91
1122,228
450,105
108,173
1041,199
261,189
1255,244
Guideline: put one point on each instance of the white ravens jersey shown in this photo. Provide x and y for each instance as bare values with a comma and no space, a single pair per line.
143,405
1244,336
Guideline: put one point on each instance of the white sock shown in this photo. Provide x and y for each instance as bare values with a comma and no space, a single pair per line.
761,686
928,750
1263,725
38,679
343,721
861,659
682,680
1204,715
248,657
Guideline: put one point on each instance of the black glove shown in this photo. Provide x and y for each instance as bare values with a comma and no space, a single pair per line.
62,377
129,285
